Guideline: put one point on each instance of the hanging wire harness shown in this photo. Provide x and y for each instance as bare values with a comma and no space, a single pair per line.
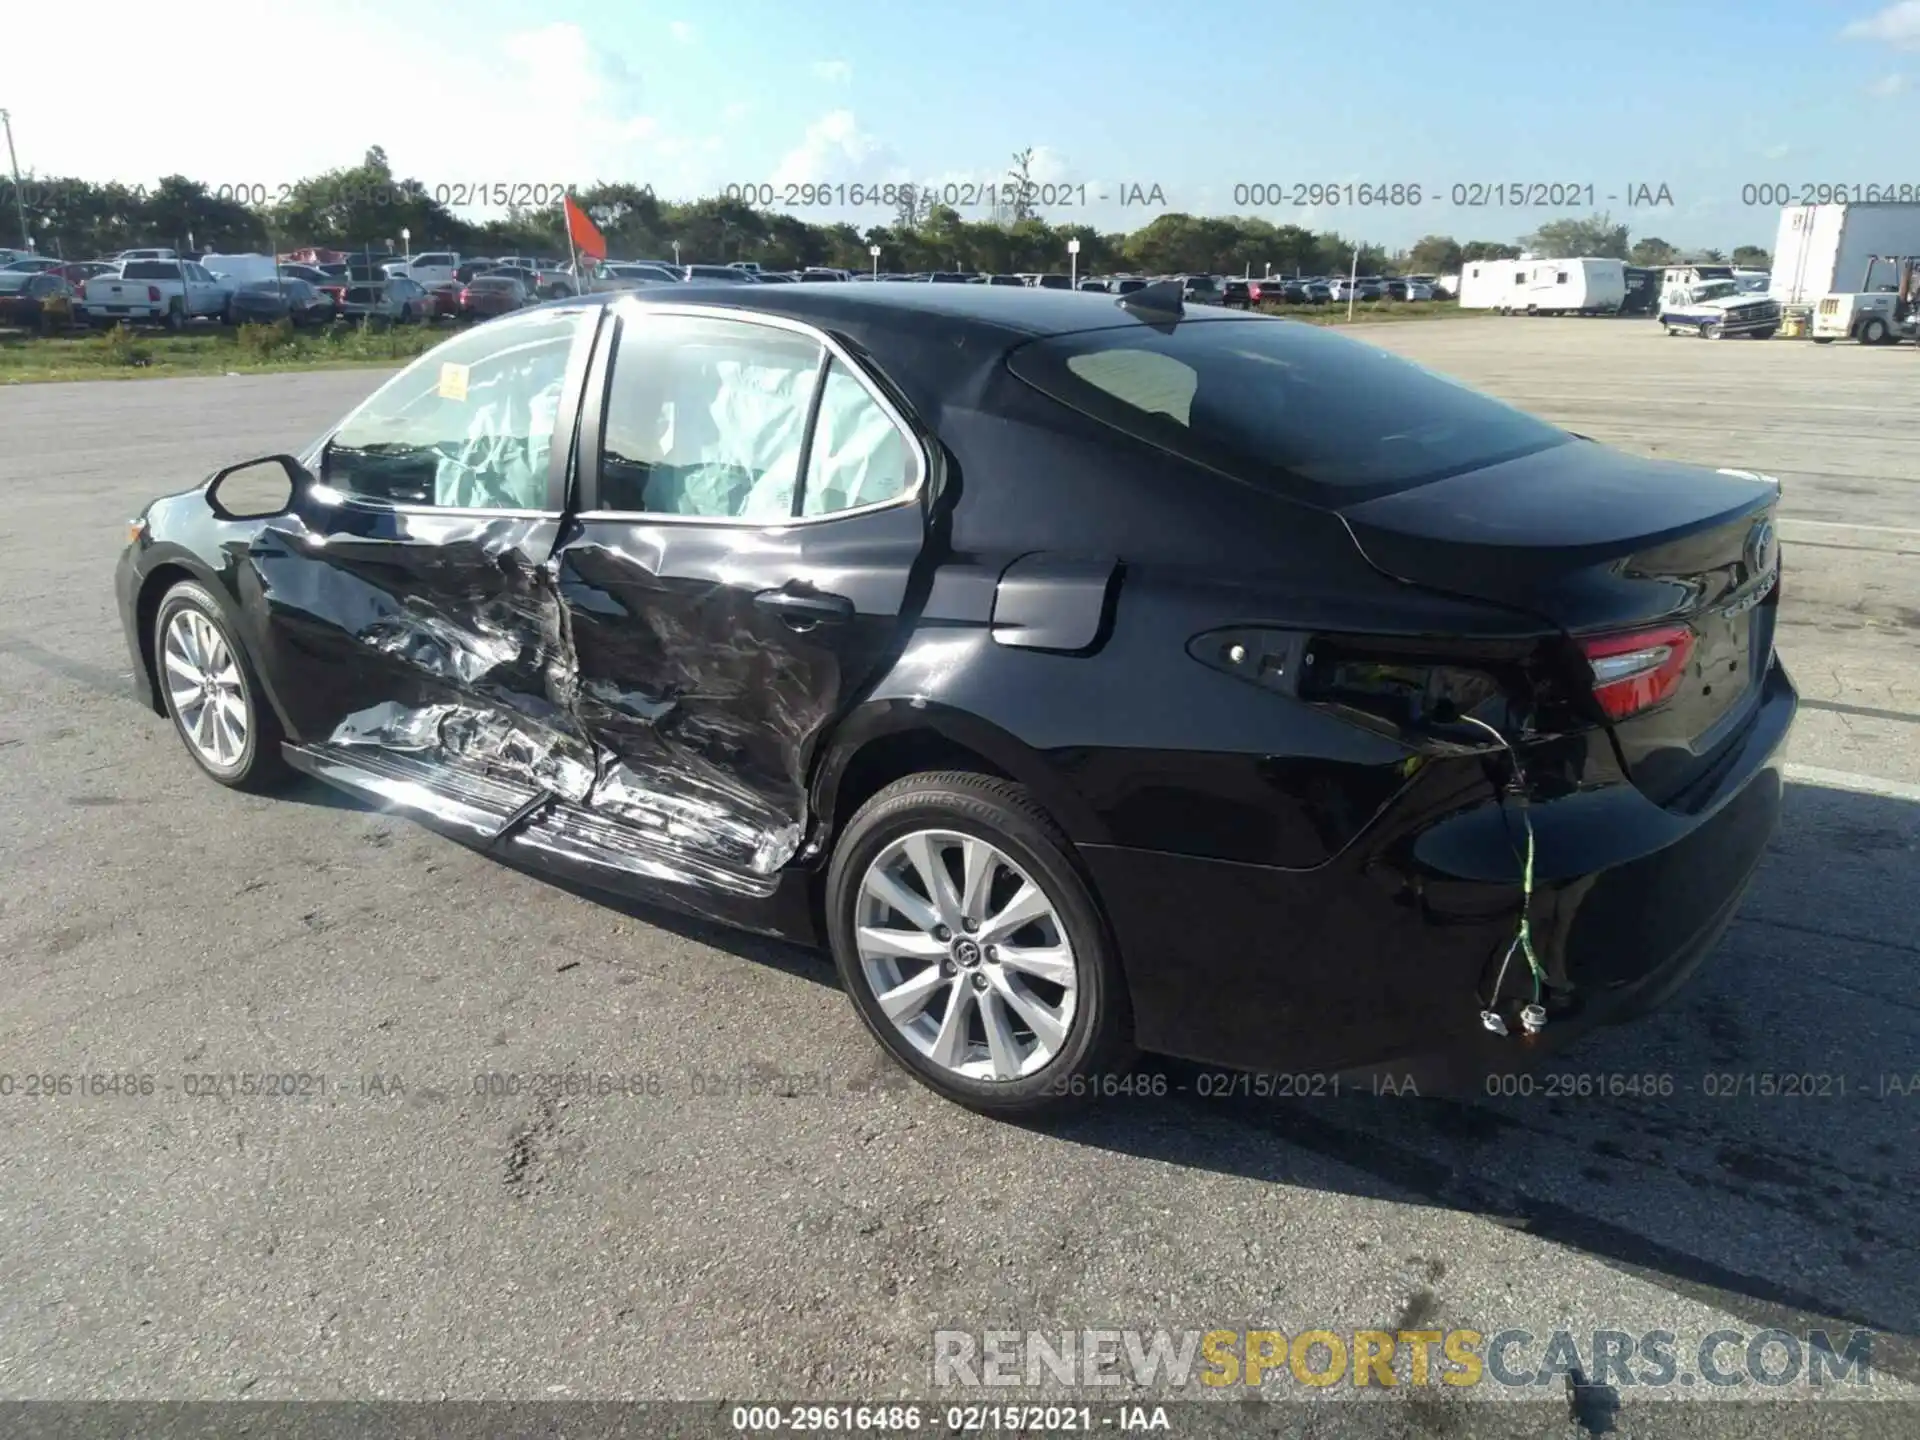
1533,1016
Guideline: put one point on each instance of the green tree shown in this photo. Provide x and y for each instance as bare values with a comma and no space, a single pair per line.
1653,251
1709,257
1487,250
1752,257
365,205
1435,255
1596,235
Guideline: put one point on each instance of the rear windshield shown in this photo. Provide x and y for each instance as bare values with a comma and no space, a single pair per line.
1288,406
150,270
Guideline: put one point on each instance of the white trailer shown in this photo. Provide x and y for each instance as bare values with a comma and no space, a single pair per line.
1574,286
1489,284
1823,250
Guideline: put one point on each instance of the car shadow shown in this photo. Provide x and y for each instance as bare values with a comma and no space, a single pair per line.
1765,1164
1750,1145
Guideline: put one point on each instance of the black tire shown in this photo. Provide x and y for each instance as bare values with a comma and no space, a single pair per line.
1099,1039
176,320
1710,330
1823,339
1873,332
1767,334
260,765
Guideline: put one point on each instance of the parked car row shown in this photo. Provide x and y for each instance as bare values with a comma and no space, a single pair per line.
314,287
153,286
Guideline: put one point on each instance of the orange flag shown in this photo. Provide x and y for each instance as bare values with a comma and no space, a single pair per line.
582,232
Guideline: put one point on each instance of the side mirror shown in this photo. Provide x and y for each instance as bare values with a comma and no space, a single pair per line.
257,489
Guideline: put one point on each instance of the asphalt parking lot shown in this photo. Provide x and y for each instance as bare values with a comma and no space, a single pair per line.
745,1236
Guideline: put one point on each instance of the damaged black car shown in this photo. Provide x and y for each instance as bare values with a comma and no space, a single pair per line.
1089,675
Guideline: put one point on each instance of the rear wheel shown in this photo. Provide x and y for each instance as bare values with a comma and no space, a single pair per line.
973,949
176,320
212,693
1766,334
1874,332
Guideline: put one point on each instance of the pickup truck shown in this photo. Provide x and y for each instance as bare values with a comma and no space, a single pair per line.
171,292
551,279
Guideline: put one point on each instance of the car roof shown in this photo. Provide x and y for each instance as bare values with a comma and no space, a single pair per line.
934,311
935,342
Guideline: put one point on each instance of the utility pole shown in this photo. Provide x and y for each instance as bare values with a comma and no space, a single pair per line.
19,195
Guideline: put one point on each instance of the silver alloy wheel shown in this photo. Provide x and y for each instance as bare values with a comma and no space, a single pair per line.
203,681
966,955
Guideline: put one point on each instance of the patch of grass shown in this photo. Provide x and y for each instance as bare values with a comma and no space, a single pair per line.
123,353
118,346
1369,311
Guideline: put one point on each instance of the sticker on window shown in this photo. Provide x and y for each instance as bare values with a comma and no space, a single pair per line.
453,382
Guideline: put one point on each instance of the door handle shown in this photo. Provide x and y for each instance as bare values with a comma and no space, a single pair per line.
804,609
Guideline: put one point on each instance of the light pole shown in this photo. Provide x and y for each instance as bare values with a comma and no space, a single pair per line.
19,196
1073,262
406,243
874,251
676,252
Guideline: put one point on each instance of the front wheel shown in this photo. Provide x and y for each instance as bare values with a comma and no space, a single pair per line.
1874,332
1711,330
1766,334
212,694
972,947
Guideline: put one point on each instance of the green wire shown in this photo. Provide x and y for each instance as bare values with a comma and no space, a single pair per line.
1526,906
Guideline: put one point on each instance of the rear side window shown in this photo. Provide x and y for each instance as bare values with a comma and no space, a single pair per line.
1283,405
706,417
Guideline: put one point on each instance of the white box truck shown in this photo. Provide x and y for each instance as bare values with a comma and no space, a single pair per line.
1823,250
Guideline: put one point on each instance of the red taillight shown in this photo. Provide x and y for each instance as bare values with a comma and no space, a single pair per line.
153,294
1637,671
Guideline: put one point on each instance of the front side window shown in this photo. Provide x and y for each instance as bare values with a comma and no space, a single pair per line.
1287,407
468,425
706,417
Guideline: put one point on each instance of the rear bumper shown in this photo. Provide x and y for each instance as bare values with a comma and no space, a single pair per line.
1378,961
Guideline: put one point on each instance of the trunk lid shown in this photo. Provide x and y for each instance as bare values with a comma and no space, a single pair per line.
1602,545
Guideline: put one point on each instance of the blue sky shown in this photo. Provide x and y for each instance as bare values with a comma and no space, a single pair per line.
1700,97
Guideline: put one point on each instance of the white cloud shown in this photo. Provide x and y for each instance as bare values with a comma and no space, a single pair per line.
1898,24
834,72
1776,152
835,150
557,108
1888,85
681,31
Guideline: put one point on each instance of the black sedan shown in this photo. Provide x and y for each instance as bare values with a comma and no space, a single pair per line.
1087,673
266,301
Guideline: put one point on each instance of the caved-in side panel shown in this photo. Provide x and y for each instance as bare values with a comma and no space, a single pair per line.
712,660
439,637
